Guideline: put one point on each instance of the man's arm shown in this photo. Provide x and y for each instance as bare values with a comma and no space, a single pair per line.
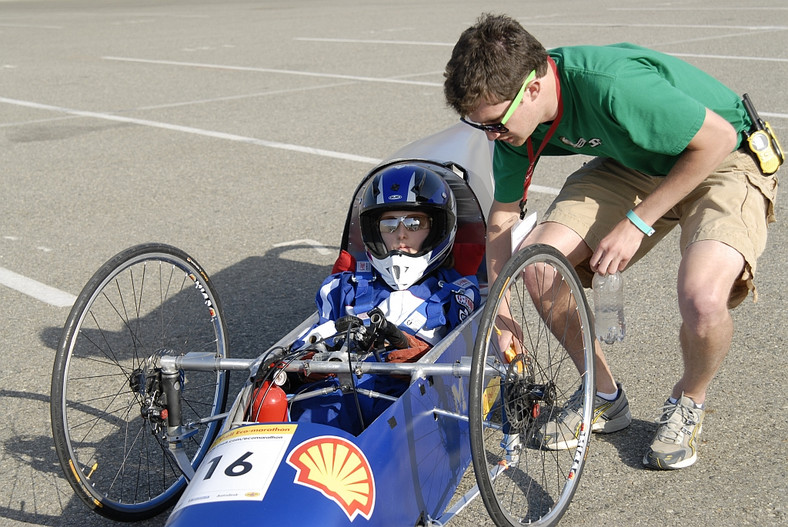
502,218
707,149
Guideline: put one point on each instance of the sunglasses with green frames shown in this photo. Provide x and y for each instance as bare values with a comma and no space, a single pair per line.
500,128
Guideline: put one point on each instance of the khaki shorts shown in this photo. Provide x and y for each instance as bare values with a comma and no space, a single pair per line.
733,205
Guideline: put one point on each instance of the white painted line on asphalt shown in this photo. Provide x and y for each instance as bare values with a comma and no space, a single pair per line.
728,57
666,7
240,97
29,26
39,291
540,189
195,131
385,80
151,15
319,247
669,26
715,36
413,43
361,41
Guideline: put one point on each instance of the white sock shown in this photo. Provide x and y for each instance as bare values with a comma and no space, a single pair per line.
608,396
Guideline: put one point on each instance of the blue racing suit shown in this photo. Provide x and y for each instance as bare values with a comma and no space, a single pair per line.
427,310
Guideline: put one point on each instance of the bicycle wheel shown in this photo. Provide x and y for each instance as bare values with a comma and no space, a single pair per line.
106,404
514,392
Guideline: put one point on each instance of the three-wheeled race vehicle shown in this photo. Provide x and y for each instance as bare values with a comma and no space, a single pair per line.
140,384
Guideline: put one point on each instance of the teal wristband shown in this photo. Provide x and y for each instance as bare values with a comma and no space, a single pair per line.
640,224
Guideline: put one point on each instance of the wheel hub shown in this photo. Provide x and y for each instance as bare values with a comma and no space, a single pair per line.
523,397
145,383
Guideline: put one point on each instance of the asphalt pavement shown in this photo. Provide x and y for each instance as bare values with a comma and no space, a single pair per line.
237,131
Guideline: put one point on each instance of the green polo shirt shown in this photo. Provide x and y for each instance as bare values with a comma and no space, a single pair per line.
635,105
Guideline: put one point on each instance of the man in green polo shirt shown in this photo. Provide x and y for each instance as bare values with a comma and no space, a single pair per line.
668,146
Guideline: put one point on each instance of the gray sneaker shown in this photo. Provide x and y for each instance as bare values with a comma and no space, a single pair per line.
676,442
609,416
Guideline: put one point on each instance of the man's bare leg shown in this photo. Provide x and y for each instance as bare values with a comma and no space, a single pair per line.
706,275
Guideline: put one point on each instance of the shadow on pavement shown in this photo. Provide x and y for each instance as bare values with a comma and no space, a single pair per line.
631,442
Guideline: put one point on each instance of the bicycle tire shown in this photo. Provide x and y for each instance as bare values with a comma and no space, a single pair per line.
533,484
147,300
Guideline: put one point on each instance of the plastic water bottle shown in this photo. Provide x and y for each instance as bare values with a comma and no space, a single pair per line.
609,307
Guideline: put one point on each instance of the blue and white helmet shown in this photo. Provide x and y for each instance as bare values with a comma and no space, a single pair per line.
409,186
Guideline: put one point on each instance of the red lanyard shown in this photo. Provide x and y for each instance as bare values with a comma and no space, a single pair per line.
531,157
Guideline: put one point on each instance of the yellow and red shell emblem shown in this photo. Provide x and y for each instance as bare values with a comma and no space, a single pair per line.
339,470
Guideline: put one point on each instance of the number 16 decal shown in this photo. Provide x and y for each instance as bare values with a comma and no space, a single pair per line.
239,467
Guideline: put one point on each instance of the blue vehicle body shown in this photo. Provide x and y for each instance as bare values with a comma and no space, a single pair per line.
416,454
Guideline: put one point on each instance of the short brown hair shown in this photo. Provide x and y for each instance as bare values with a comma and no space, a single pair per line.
490,62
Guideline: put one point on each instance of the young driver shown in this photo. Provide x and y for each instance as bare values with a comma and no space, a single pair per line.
408,221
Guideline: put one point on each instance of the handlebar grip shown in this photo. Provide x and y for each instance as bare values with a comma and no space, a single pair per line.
395,336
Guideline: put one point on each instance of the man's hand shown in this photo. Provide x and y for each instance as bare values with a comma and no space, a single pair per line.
506,334
617,248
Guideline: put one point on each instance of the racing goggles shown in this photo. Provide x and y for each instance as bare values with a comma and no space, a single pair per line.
412,222
499,127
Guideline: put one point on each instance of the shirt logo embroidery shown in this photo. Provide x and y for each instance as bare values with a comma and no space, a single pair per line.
582,142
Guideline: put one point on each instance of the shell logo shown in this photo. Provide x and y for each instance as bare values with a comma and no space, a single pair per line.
337,469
